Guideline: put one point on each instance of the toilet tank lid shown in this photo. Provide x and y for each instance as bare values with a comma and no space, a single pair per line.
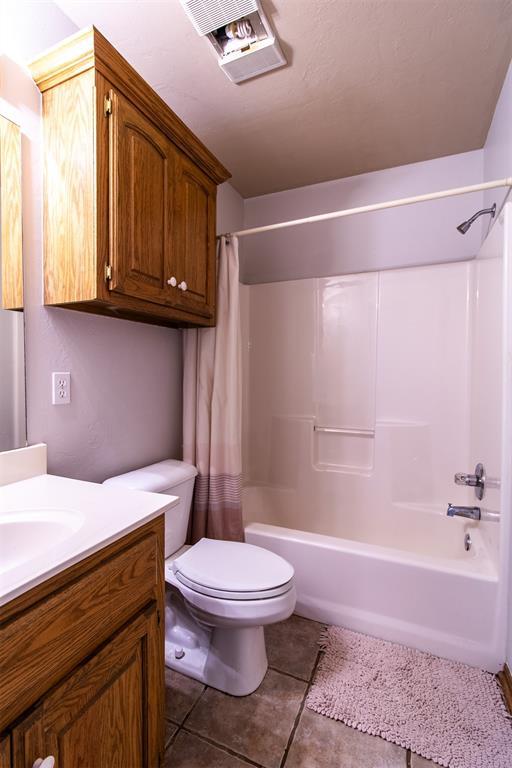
156,477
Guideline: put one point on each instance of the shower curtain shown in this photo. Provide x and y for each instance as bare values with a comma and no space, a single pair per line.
212,409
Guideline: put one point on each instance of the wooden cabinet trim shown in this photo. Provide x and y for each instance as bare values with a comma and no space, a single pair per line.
87,49
142,311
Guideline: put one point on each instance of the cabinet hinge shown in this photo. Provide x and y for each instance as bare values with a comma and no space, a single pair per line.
108,272
107,106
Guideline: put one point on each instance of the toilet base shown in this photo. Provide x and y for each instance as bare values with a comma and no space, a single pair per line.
233,660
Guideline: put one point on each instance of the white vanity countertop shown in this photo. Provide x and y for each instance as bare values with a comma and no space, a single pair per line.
48,523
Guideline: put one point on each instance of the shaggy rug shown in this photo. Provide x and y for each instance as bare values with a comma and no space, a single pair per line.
442,710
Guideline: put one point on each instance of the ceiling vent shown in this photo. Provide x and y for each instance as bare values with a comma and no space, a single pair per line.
241,34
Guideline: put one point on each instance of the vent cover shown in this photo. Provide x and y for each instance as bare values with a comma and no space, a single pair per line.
240,33
209,15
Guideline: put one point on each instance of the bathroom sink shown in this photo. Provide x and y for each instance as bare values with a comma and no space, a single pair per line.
26,534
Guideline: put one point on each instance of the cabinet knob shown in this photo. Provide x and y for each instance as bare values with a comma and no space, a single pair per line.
182,286
47,762
172,282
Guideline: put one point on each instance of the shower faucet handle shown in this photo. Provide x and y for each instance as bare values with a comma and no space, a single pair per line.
462,478
476,481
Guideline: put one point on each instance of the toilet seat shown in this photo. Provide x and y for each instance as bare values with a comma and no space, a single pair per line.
225,594
233,571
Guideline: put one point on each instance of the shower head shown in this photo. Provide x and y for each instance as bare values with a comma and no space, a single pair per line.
463,228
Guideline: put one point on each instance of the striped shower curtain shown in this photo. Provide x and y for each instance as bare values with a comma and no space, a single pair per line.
212,409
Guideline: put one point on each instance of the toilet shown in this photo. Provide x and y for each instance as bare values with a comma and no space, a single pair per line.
219,594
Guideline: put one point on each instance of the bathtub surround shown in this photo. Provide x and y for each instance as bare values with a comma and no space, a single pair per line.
212,408
444,711
362,398
498,154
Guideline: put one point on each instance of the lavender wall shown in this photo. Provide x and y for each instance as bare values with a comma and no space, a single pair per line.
418,234
230,209
498,145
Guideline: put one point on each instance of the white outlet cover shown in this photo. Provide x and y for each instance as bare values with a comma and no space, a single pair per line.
61,388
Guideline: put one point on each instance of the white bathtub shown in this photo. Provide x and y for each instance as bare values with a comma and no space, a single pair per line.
417,586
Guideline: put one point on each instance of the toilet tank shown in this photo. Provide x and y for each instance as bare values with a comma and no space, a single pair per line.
174,478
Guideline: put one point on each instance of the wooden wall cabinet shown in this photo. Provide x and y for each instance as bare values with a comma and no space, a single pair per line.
129,192
81,662
11,260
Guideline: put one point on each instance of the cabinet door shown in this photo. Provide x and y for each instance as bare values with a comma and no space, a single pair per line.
142,167
108,712
195,198
5,751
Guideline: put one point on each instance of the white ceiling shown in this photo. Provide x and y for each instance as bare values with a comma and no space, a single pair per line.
370,84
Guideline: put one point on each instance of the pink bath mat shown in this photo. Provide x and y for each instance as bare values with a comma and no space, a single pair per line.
442,710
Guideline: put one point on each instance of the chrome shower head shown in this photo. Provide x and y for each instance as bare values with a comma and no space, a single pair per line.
463,228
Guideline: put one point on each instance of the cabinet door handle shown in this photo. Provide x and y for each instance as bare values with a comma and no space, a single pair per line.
182,286
47,762
172,282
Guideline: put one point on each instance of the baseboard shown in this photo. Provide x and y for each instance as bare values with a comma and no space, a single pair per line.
505,679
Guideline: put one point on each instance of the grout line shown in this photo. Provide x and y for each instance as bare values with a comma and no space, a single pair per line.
299,713
172,739
289,674
223,748
194,705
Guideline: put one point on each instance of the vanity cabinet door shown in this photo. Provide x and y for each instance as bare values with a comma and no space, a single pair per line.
195,199
141,179
107,712
5,751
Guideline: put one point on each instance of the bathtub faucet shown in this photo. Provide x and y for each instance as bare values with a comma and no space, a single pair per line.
473,513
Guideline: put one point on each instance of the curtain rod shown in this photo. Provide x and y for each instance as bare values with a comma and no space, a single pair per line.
375,207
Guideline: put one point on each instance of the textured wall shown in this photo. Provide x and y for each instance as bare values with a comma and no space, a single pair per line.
230,209
498,146
418,234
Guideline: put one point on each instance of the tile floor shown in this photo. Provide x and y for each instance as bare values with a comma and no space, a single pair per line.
271,728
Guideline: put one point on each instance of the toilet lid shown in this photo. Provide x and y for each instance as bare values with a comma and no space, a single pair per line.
233,570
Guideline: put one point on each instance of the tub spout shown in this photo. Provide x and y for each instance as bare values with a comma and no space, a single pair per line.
473,513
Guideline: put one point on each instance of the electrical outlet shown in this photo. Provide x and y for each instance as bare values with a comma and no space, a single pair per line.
61,388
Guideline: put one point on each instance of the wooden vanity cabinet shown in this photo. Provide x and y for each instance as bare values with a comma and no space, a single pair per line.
81,662
129,192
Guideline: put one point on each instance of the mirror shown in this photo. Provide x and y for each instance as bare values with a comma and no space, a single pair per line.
13,431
